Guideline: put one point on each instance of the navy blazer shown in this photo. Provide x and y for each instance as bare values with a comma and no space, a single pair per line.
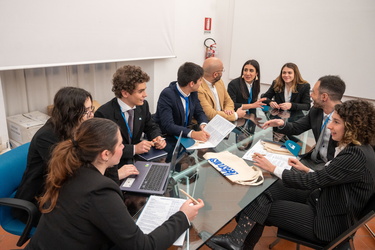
170,113
313,120
299,100
142,124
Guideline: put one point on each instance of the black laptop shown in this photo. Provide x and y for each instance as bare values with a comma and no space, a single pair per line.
153,176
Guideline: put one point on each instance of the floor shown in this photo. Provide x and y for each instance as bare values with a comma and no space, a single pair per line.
362,241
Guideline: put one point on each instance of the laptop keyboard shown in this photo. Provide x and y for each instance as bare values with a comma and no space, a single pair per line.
154,177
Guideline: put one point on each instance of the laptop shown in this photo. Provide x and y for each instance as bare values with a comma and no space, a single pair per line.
153,176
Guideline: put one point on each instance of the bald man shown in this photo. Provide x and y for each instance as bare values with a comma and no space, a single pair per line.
213,95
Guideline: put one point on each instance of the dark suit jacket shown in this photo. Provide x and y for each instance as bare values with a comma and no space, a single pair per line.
299,100
142,124
313,120
90,214
170,113
235,92
346,185
32,183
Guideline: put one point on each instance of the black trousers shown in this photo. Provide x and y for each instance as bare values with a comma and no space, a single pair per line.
287,208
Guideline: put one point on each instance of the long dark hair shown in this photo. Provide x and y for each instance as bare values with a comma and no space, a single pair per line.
68,110
256,83
92,137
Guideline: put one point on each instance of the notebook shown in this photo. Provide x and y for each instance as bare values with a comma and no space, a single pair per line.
153,176
153,153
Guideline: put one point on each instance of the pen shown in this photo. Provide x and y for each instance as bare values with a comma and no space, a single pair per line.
161,139
189,196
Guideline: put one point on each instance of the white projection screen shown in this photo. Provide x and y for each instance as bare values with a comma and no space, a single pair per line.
322,37
42,33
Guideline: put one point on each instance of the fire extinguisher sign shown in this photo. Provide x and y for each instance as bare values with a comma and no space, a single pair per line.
207,25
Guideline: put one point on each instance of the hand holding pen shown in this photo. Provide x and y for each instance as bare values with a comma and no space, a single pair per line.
159,142
191,206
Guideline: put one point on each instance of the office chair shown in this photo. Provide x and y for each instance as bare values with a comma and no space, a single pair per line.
343,241
12,167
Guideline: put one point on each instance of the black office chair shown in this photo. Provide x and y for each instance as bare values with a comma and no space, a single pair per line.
343,241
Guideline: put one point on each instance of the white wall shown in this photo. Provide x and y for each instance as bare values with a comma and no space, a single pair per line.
190,38
33,89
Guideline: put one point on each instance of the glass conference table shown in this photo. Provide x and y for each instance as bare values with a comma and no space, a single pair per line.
223,199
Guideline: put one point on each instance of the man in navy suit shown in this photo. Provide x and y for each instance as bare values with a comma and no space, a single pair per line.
327,92
130,111
179,107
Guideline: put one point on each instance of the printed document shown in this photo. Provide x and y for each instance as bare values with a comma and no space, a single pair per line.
280,160
157,210
218,128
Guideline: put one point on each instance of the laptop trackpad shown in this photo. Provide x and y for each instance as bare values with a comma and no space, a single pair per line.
129,182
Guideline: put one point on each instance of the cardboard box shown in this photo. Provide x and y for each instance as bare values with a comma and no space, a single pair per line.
22,127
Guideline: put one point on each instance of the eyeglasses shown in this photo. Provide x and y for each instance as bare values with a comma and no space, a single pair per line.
220,71
89,111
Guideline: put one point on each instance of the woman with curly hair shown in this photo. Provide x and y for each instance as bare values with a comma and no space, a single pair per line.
289,91
316,205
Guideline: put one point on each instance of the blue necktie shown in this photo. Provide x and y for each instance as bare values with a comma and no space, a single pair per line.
250,98
250,95
186,108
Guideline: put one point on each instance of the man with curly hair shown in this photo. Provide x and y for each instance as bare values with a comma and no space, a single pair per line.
130,111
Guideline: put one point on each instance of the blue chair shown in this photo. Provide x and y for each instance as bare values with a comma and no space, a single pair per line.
12,167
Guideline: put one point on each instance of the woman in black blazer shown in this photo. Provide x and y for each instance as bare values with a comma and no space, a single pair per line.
82,209
248,83
289,91
71,106
319,205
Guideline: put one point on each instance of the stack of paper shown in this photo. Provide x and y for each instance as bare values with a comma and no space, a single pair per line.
280,160
157,210
218,128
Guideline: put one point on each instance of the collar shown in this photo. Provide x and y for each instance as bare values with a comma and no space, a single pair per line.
123,106
209,83
180,90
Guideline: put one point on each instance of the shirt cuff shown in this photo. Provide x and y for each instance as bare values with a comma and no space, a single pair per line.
189,134
279,171
283,126
236,116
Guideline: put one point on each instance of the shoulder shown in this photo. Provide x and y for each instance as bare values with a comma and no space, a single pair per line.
93,180
169,91
234,82
108,106
46,132
303,86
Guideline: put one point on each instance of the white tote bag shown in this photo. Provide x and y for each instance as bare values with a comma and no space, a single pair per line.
235,168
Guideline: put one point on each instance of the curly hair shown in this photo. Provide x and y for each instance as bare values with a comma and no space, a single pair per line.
126,78
280,84
359,118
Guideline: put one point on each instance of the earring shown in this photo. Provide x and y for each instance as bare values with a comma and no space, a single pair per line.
242,76
256,78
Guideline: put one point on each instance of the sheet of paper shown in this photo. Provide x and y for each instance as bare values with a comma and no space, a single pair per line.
276,159
218,128
157,210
